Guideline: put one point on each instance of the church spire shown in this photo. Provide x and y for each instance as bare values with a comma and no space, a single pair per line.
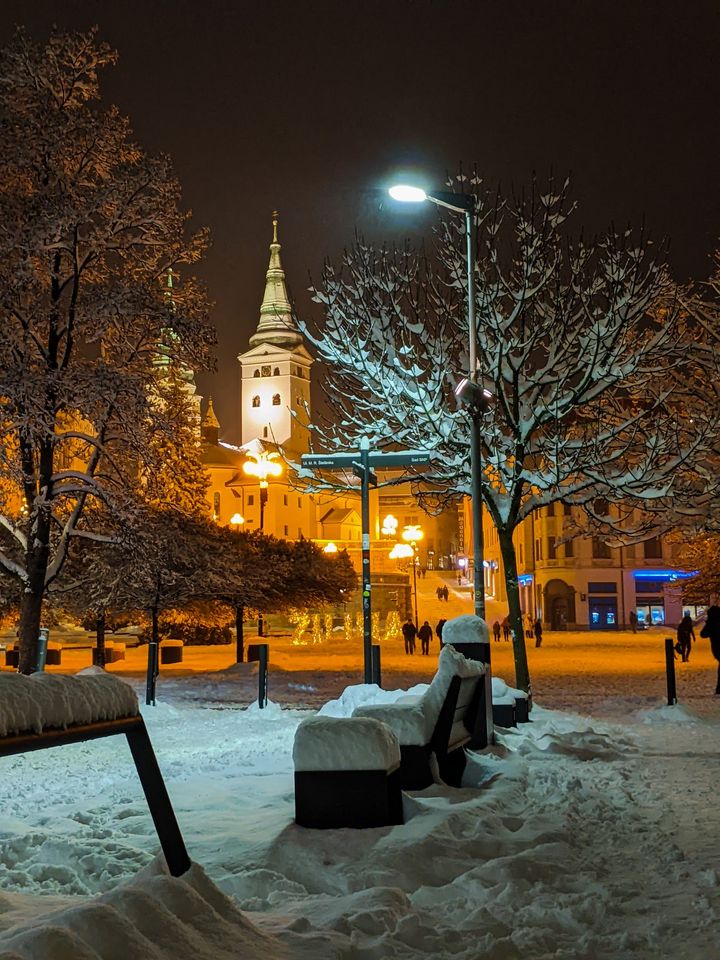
276,325
210,424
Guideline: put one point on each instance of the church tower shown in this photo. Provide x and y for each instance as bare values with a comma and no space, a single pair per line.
275,371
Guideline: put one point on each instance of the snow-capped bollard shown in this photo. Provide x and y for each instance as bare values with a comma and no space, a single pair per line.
670,671
260,654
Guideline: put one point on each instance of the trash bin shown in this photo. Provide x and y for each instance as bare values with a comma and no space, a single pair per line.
54,654
171,651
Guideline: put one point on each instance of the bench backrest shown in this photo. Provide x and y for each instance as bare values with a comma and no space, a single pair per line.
456,721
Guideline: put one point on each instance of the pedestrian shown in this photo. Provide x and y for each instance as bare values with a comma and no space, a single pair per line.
528,624
538,627
632,617
423,572
439,593
439,628
686,637
445,593
459,578
409,633
711,631
496,631
425,634
506,629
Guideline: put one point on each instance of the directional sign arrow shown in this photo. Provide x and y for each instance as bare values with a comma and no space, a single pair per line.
328,461
400,458
358,470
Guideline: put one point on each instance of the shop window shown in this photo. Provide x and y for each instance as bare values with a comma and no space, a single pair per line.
256,401
276,399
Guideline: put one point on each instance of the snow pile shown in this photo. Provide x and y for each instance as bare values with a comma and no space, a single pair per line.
155,916
338,743
49,701
413,719
363,694
466,628
502,693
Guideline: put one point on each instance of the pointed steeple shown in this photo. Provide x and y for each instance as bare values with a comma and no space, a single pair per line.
276,324
210,424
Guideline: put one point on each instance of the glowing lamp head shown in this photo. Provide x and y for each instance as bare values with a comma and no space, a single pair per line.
412,534
262,466
407,194
389,526
401,551
236,520
330,548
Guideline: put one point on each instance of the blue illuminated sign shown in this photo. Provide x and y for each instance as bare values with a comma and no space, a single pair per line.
666,575
525,579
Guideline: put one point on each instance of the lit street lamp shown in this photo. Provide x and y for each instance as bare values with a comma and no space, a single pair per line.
262,466
403,551
412,534
330,548
465,204
237,520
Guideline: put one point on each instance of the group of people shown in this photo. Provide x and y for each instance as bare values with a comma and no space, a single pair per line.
442,593
710,631
424,633
532,629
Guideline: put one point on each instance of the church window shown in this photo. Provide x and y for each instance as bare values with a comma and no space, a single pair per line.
257,373
276,372
285,500
251,500
265,433
266,371
286,528
276,400
299,502
256,401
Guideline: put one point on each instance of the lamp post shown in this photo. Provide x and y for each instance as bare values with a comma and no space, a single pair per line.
262,465
464,204
403,551
412,535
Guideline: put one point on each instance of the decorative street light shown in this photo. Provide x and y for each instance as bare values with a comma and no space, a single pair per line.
411,535
237,520
465,204
263,465
389,526
330,548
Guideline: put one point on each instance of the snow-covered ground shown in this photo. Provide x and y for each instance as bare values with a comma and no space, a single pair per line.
572,838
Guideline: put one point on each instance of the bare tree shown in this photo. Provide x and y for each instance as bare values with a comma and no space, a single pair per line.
89,229
579,364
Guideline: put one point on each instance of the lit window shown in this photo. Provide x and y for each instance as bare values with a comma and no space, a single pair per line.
276,399
256,401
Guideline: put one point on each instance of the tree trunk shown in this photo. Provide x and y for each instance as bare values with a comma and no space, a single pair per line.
239,633
30,613
99,657
507,551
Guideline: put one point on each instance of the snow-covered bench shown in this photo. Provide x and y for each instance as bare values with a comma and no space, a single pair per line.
434,728
45,710
347,773
509,706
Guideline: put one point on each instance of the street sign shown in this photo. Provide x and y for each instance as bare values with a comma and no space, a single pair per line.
400,458
328,461
359,471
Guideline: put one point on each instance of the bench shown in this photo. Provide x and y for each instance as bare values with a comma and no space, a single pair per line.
509,706
53,657
347,774
33,716
171,651
435,728
114,651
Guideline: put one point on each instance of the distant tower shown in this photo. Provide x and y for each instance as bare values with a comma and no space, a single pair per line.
275,385
162,361
210,425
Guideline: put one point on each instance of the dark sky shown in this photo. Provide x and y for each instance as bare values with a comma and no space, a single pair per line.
310,107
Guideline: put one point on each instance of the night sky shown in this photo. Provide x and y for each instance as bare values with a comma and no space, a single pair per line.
312,106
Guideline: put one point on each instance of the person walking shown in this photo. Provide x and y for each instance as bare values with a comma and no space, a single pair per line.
528,625
439,592
409,633
711,631
496,631
686,637
506,629
445,593
538,627
632,617
425,634
439,628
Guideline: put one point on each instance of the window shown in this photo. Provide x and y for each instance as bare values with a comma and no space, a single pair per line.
299,502
551,548
551,510
569,549
538,550
300,533
286,530
276,372
276,399
285,500
567,509
600,550
653,549
256,401
251,500
257,373
266,371
600,507
265,433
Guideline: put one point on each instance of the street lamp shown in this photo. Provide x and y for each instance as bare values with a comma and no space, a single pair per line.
262,466
464,203
330,548
403,551
237,520
412,534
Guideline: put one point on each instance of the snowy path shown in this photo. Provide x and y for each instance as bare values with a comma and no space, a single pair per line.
574,839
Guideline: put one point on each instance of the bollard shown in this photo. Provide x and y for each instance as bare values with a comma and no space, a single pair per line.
152,674
42,649
376,667
262,649
670,670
